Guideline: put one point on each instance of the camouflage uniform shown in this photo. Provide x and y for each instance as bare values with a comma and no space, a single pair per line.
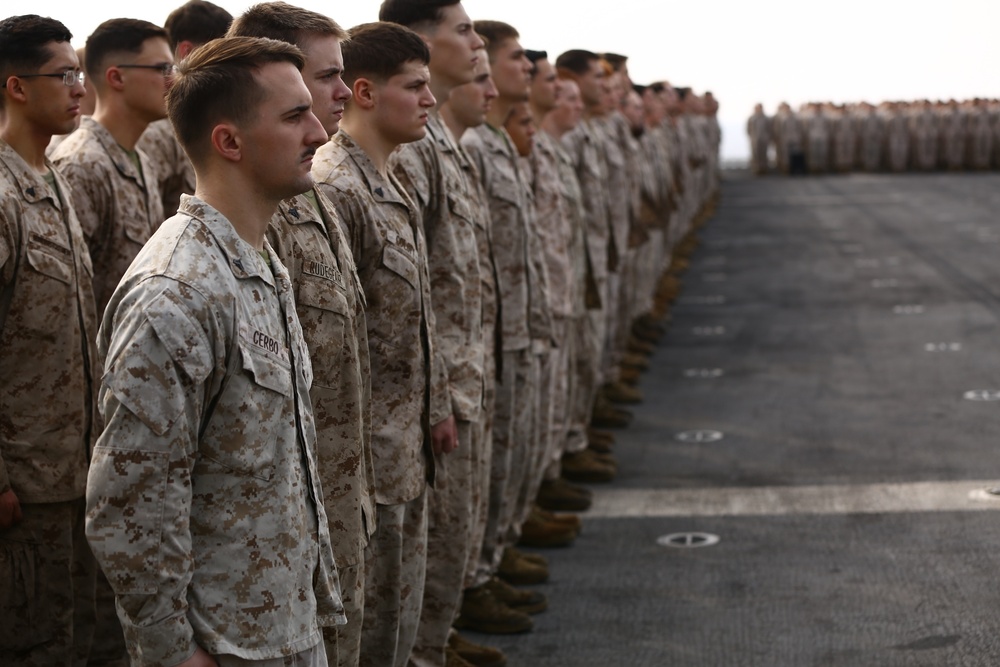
118,204
618,191
980,138
871,138
590,332
307,236
759,131
389,248
477,570
541,326
171,166
897,141
434,172
557,230
48,423
204,504
845,139
818,141
514,428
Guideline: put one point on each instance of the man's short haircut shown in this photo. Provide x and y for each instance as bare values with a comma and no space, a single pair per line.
576,61
414,14
658,86
217,83
378,51
496,32
117,37
534,57
616,60
288,23
198,22
24,44
682,92
639,88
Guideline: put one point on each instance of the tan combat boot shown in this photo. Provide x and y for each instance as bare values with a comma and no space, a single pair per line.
528,602
476,654
558,495
482,612
520,569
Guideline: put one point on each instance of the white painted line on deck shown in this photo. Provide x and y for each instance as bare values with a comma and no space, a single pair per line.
792,500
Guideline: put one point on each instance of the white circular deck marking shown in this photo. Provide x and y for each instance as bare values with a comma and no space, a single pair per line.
688,540
883,283
943,347
708,331
913,309
703,373
982,395
699,436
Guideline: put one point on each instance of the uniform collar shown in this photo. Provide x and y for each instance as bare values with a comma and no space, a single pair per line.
243,258
119,156
381,189
32,185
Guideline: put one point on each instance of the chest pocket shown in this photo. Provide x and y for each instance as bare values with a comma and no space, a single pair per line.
266,393
460,206
401,264
46,263
323,293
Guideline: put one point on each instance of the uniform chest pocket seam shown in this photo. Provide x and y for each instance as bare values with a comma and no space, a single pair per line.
396,261
49,265
267,371
322,294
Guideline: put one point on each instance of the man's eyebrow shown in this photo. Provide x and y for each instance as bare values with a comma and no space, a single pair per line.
332,70
298,109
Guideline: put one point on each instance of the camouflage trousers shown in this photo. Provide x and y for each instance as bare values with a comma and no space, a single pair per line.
477,572
343,642
612,352
311,657
652,263
395,567
451,515
47,579
561,398
587,332
540,451
513,448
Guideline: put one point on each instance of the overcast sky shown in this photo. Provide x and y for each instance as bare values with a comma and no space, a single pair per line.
744,52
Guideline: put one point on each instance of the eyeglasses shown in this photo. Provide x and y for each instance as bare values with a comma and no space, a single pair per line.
70,77
166,69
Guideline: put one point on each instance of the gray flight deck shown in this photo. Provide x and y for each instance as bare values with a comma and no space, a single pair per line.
842,334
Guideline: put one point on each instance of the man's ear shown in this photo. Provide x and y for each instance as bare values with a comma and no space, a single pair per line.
15,90
365,93
183,49
227,142
113,79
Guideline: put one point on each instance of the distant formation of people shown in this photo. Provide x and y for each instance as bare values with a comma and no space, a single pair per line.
922,136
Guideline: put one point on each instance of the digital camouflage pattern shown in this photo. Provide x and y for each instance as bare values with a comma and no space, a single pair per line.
118,205
48,422
388,246
48,322
433,171
307,235
173,170
204,503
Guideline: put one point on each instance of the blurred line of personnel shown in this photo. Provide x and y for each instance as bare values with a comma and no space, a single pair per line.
307,332
892,137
